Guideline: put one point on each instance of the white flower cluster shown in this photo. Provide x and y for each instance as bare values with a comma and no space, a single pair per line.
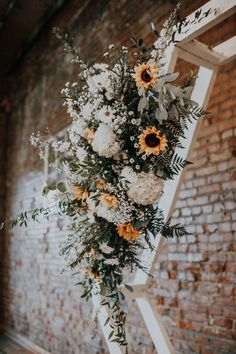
105,141
119,215
143,188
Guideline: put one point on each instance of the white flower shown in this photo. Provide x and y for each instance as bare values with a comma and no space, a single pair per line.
77,129
87,110
99,81
112,261
105,141
144,188
106,114
116,216
62,146
105,80
81,154
106,249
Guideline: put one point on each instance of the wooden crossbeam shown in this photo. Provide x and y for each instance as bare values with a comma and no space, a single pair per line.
227,49
199,54
221,9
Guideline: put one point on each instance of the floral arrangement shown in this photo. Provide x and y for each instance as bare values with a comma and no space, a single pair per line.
128,118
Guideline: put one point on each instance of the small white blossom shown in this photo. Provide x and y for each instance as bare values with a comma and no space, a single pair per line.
106,114
81,154
112,261
106,249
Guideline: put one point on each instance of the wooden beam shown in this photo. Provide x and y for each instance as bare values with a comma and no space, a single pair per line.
155,326
199,54
25,342
138,291
103,313
227,49
221,9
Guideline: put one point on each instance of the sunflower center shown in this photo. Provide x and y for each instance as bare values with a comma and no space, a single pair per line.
152,140
146,76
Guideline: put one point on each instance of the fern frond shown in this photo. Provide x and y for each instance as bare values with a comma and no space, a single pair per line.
177,164
176,230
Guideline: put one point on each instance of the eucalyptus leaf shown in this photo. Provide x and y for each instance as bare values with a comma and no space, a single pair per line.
128,287
51,158
61,187
170,77
142,103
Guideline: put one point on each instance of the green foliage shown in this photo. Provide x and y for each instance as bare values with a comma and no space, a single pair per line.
176,230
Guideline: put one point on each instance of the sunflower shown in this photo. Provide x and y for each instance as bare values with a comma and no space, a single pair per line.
110,200
80,193
152,142
89,134
128,232
145,75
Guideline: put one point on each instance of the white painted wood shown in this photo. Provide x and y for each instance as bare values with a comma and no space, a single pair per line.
154,325
199,54
227,49
114,348
221,9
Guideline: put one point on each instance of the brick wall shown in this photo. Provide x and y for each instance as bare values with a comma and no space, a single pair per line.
192,285
196,274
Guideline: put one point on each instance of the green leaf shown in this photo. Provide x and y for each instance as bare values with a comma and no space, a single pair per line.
51,158
107,320
128,287
61,187
110,335
45,190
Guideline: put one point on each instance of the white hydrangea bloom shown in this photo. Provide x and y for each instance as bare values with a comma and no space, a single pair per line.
105,141
91,217
143,189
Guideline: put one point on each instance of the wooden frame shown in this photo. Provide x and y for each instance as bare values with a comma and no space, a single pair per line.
209,60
